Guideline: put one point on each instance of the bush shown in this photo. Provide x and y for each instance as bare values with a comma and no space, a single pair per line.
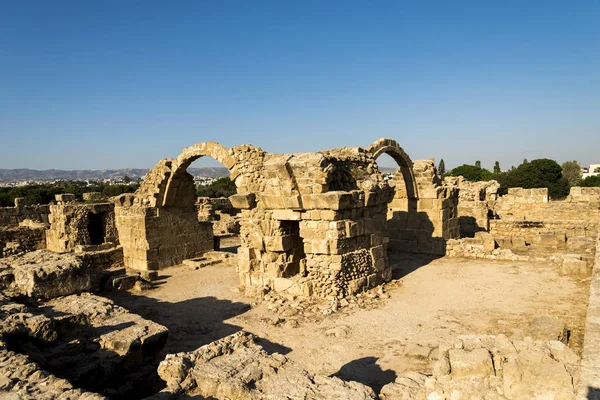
590,181
222,187
472,173
541,173
44,193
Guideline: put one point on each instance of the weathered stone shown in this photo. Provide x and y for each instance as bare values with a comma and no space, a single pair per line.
236,368
477,362
547,328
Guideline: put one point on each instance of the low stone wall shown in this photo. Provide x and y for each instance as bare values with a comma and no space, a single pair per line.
21,239
475,200
533,205
589,382
73,224
13,216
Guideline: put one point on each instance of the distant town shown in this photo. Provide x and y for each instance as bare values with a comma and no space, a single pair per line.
25,177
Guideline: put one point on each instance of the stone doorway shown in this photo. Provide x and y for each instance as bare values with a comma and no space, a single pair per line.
294,257
96,228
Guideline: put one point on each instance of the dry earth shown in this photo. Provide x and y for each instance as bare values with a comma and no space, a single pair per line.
427,302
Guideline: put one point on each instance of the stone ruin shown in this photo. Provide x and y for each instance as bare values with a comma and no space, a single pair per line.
312,224
321,225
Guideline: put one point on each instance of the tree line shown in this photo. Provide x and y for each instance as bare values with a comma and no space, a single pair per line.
540,173
44,193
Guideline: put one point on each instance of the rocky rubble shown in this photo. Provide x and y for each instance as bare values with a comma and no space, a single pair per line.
237,368
86,339
492,367
293,310
44,275
25,380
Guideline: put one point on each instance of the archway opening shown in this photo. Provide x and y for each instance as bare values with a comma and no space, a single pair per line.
213,187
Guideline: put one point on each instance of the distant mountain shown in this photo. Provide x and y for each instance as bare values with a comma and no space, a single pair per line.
17,175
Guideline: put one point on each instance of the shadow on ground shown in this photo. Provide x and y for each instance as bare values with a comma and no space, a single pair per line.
366,371
406,263
192,323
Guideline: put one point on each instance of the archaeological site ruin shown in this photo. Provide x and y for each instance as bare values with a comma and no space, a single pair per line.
321,278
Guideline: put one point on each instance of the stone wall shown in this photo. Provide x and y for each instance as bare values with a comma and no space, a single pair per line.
589,382
21,239
154,238
224,217
475,202
74,224
13,216
423,224
323,236
533,205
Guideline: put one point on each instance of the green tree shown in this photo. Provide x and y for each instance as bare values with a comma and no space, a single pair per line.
571,170
497,169
222,187
472,173
525,161
126,179
478,164
442,167
590,181
538,174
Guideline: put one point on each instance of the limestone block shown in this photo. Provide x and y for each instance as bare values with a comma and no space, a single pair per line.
65,197
547,328
243,200
320,246
477,362
489,244
287,215
574,265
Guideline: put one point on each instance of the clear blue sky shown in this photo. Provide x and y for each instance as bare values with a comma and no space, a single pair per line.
114,84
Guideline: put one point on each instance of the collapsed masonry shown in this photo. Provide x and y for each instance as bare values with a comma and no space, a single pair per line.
311,223
525,224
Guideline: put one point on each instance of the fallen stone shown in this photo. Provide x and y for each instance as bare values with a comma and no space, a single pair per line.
476,362
547,328
235,367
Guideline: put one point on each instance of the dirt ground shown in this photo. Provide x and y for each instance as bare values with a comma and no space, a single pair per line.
429,301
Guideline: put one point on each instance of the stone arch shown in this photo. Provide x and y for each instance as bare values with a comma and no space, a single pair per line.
393,149
179,186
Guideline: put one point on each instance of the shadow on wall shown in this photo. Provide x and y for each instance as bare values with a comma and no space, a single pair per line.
469,227
366,371
192,323
413,232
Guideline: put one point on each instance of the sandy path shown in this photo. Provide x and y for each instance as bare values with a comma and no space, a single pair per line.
431,303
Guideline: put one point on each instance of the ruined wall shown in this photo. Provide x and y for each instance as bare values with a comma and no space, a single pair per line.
21,239
13,216
158,225
311,223
154,238
533,205
475,202
528,214
322,236
529,226
74,224
423,224
224,217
